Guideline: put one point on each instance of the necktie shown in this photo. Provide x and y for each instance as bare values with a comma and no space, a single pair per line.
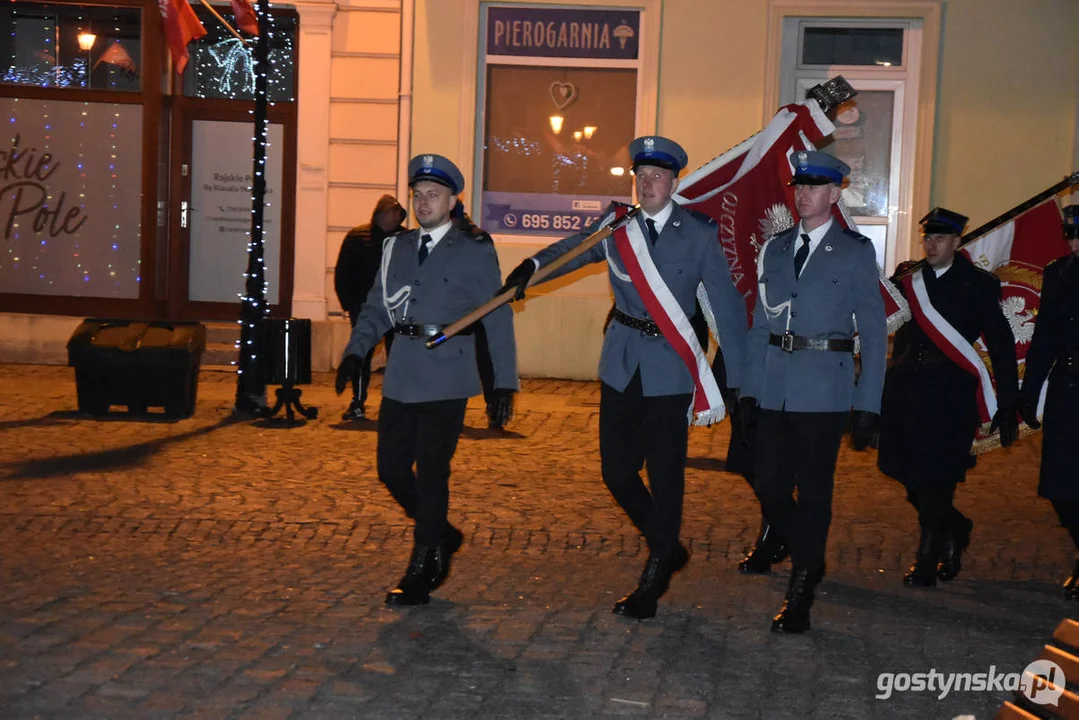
801,255
424,239
653,234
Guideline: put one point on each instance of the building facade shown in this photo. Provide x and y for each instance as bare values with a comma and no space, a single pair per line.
968,104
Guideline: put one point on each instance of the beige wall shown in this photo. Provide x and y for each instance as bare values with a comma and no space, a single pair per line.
363,132
1006,115
1006,122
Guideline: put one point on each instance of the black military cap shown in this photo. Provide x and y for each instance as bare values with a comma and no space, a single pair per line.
943,222
1071,222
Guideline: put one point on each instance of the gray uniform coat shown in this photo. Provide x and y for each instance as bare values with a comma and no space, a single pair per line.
839,282
460,274
687,253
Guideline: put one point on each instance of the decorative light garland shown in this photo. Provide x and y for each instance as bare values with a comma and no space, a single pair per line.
250,383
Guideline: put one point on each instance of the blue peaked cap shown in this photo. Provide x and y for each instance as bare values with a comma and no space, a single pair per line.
436,169
657,150
813,167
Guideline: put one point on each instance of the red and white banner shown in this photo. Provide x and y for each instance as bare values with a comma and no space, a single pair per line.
181,27
665,311
746,192
1017,254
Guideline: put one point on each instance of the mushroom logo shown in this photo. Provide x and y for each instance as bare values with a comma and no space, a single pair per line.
623,32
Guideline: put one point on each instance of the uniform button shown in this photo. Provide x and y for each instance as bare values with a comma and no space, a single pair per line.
794,294
418,282
794,314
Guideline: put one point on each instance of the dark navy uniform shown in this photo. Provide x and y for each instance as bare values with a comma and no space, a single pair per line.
929,413
1054,354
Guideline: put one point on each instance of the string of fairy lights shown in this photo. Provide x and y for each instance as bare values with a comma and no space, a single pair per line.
251,386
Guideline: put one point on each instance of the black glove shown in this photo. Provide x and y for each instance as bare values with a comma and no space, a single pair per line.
1028,412
864,429
1006,421
730,399
347,370
518,279
747,419
500,407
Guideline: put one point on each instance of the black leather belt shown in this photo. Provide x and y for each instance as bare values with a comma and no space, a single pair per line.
647,327
922,356
789,343
414,330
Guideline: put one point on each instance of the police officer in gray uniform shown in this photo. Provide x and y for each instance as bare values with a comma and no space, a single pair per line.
430,277
647,389
814,282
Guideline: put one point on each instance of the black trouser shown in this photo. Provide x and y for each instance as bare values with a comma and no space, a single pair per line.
426,434
1068,512
635,429
936,513
798,450
361,379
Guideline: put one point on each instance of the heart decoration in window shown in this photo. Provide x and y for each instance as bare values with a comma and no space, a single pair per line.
563,94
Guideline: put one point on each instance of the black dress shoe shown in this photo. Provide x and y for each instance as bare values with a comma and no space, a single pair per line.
642,603
451,543
793,617
768,550
1071,585
923,572
952,545
355,412
415,587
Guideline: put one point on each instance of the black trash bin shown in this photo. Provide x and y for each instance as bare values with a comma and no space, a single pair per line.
137,364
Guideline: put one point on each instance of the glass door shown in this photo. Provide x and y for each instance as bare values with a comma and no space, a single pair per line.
213,214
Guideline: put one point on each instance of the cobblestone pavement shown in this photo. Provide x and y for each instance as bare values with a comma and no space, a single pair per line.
215,569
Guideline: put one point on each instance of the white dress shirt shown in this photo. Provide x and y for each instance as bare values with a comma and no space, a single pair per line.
815,236
436,234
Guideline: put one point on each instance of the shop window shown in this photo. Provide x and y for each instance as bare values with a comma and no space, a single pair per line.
71,46
558,102
70,223
222,66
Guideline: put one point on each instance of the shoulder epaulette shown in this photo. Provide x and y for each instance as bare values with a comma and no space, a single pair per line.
856,235
698,215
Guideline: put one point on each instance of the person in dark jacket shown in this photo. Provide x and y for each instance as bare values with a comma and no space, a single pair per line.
929,413
1054,354
353,276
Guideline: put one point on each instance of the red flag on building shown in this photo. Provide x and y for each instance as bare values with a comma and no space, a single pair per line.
746,192
181,27
246,19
